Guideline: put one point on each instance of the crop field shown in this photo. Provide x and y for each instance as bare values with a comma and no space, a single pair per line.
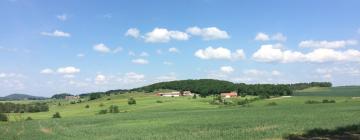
348,91
160,118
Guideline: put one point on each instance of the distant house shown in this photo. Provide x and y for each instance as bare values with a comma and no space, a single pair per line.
169,94
72,97
187,93
229,95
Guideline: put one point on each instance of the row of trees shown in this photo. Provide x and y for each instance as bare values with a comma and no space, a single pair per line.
9,107
300,86
206,87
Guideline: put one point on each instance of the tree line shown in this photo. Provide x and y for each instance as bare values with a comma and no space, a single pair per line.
9,107
301,86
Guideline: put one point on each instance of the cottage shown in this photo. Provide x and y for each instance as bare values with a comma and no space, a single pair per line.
169,94
229,95
72,97
187,93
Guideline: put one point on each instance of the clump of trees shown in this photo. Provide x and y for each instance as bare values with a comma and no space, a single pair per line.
9,107
131,101
301,86
3,117
325,101
114,109
56,115
94,96
103,111
60,96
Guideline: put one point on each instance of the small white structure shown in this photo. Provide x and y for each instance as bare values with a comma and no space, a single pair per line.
169,94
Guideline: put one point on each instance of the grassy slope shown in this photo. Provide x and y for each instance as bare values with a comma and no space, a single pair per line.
184,118
349,91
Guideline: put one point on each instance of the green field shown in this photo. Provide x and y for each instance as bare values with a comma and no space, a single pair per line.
348,91
187,118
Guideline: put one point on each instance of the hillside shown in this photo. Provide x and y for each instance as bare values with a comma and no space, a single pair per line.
350,91
21,97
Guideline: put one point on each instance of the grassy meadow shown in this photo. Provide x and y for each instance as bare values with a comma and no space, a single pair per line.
165,118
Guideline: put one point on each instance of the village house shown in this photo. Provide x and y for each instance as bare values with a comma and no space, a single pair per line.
175,94
229,95
72,97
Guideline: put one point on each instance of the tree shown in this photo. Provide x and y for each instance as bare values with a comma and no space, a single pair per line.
94,96
194,97
3,117
57,115
131,101
114,109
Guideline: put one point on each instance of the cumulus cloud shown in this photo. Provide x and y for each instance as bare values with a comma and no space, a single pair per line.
101,48
327,44
11,75
209,33
173,50
100,79
140,61
226,69
68,70
219,53
132,77
162,35
62,17
133,32
56,33
262,37
265,37
47,71
271,53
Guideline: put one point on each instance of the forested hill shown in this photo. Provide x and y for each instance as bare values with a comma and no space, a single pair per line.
206,87
21,97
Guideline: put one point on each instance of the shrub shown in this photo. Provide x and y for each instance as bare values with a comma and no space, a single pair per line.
108,99
312,102
28,119
72,102
94,96
101,104
3,117
158,101
243,102
87,106
114,109
104,111
328,101
228,102
131,101
57,115
272,104
194,97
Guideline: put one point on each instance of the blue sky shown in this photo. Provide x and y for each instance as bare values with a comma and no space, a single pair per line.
49,47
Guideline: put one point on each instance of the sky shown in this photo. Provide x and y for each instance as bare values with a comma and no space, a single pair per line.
78,46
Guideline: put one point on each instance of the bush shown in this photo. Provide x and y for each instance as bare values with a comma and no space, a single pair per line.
101,104
114,109
87,106
272,104
131,101
312,102
328,101
228,102
28,119
94,96
108,99
72,102
194,97
158,101
57,115
104,111
243,102
3,117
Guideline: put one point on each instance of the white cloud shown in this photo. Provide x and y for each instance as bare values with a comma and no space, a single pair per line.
271,53
100,79
80,55
167,63
133,32
209,33
47,71
159,51
56,33
275,73
327,44
117,50
219,53
144,54
140,61
279,37
62,17
101,48
162,35
11,75
265,37
262,37
227,69
132,77
68,70
173,50
168,77
69,76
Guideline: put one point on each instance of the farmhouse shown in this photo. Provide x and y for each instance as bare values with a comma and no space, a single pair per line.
229,95
169,94
72,97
